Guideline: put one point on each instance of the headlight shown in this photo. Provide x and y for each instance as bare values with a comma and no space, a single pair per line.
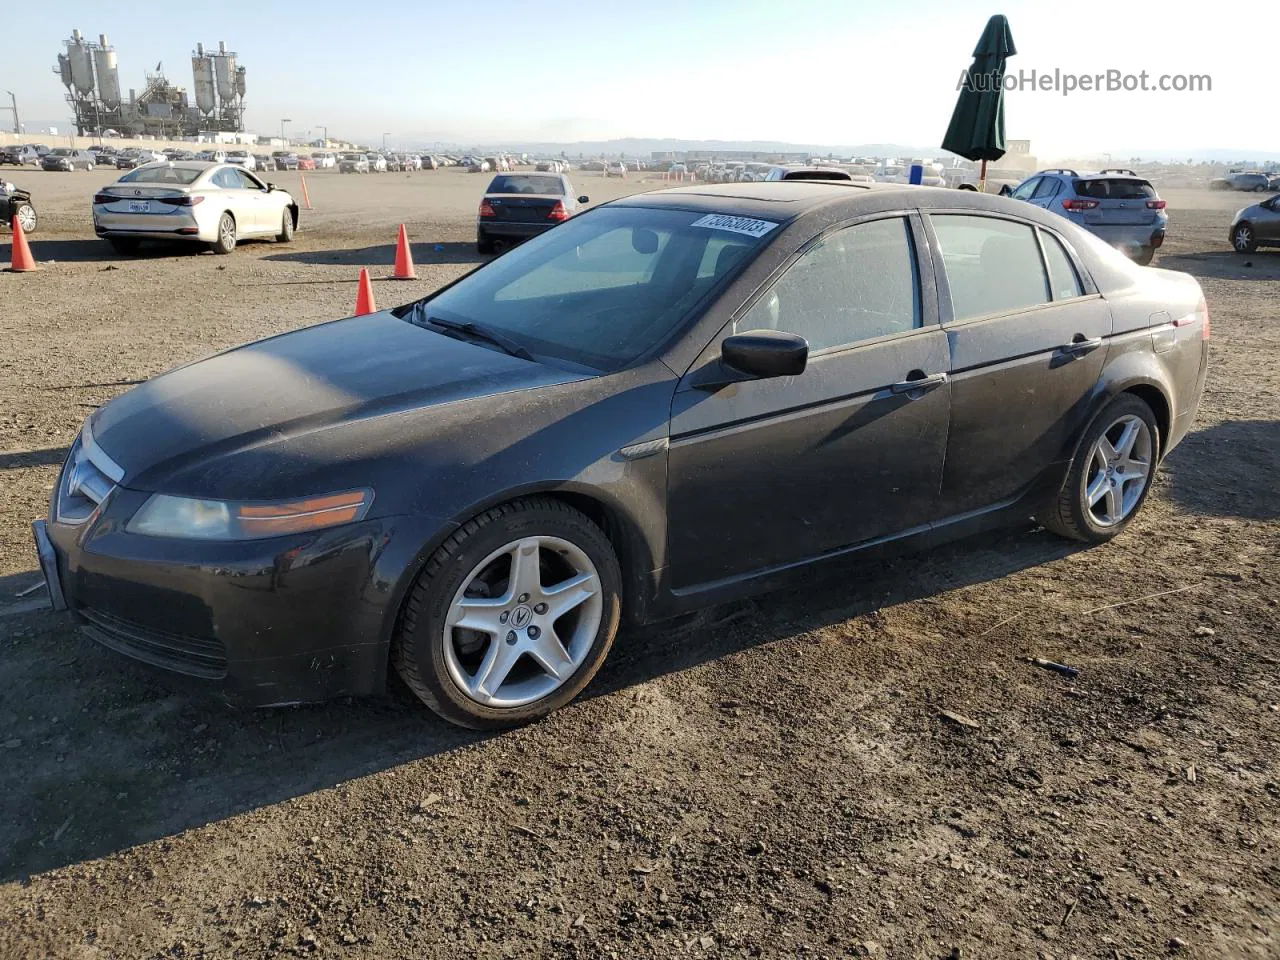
166,516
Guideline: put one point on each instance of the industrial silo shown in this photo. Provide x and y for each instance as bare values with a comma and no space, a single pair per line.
202,68
240,82
104,61
225,67
81,64
64,71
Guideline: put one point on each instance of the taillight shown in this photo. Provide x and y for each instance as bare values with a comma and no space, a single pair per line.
486,209
1203,309
1074,204
1156,204
558,212
181,201
103,198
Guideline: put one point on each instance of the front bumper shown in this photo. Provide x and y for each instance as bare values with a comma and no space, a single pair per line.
267,622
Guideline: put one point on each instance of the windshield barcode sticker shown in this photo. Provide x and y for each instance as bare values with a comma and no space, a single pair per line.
722,221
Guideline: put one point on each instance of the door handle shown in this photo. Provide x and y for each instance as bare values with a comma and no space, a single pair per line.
1081,344
922,382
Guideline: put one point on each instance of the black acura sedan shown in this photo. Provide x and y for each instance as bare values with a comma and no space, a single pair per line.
660,404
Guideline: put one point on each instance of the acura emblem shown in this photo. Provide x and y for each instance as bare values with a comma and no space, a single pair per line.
137,193
521,616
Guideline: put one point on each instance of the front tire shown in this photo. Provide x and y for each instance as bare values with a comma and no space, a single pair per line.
286,227
226,241
26,215
1243,239
512,616
1110,474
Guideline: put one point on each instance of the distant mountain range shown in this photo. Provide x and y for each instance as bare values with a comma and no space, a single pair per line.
643,147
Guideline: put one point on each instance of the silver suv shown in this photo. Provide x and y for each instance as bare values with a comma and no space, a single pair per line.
1117,205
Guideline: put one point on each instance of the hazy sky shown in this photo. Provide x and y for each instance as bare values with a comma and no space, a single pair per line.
818,71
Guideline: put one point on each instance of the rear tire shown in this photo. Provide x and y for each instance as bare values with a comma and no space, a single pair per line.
123,245
226,241
484,244
1144,256
428,652
1071,515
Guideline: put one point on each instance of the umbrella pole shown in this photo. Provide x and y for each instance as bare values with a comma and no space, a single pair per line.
982,177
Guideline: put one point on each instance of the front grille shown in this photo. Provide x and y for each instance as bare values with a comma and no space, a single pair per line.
193,656
88,478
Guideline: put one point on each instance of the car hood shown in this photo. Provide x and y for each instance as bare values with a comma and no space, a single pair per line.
299,383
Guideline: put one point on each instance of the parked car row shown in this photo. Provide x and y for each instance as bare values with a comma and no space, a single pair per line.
1249,182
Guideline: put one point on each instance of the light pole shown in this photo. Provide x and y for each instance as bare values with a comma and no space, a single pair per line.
283,121
17,127
384,142
326,134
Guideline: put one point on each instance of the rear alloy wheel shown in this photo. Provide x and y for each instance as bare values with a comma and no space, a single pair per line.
226,241
286,227
1110,474
512,616
1243,239
26,217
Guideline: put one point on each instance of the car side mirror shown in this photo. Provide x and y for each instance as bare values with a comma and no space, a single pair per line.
584,199
1005,191
764,354
271,186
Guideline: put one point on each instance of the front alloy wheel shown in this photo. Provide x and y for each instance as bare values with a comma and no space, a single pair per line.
26,217
512,616
226,241
1243,240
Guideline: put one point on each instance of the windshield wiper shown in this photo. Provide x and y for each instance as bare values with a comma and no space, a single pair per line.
476,331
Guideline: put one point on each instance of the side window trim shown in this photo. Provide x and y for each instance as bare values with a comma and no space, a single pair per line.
926,286
1041,233
1082,275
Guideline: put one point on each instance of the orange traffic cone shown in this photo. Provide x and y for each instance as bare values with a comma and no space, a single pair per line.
404,258
306,197
364,298
22,258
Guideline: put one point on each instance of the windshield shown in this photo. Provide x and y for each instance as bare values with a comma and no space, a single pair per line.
162,173
604,288
527,184
62,152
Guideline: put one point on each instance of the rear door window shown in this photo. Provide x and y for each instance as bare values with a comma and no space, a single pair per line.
992,266
1063,280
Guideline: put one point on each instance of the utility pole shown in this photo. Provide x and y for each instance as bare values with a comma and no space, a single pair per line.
283,121
17,126
384,142
326,133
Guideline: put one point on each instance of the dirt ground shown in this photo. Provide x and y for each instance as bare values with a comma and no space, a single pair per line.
777,778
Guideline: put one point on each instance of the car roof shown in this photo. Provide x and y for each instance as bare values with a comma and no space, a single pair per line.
787,200
773,199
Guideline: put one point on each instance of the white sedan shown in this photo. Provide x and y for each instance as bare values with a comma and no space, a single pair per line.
212,203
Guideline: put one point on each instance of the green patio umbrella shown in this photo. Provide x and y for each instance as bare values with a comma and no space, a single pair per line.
976,131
